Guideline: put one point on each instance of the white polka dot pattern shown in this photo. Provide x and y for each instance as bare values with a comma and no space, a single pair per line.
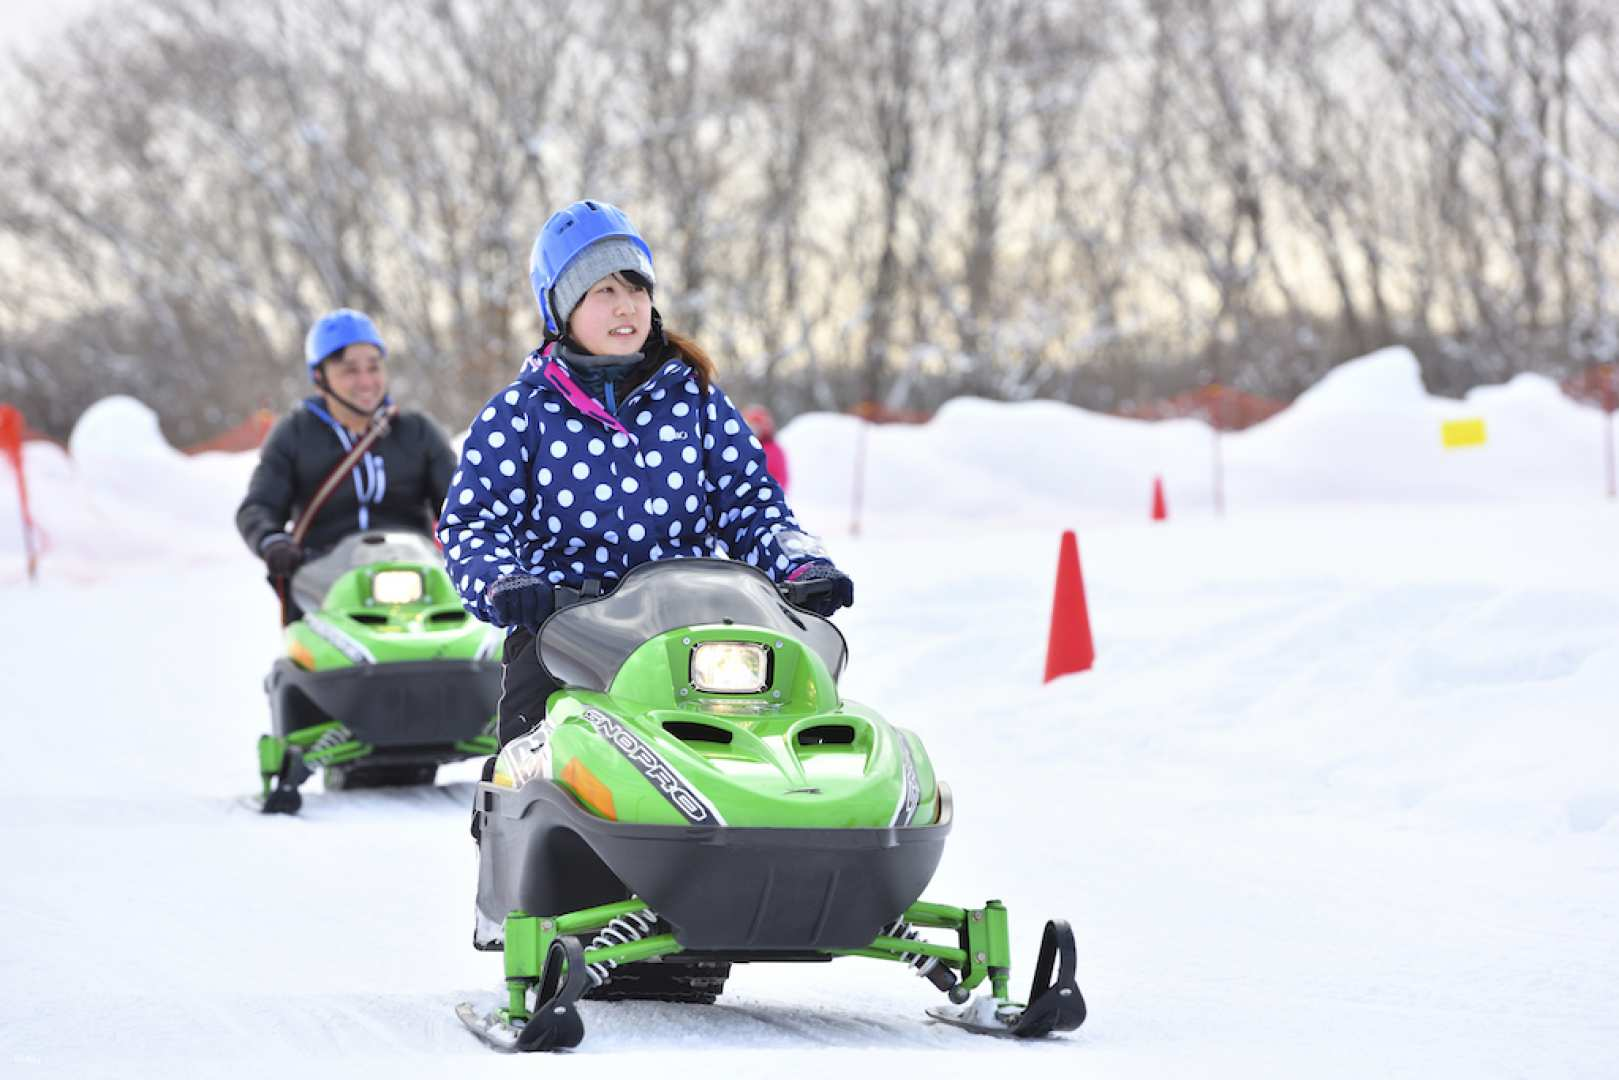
552,492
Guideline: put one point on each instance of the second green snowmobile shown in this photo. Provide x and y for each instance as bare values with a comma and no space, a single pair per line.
385,677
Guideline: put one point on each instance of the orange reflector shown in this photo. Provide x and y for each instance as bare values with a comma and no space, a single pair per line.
590,791
299,653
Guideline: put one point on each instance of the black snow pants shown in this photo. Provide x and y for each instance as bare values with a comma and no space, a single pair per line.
525,686
524,689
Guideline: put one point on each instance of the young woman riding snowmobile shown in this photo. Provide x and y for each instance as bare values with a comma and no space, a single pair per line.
397,482
341,508
680,786
613,447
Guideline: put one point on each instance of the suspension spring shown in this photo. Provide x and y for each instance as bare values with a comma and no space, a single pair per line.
922,965
621,931
928,967
332,739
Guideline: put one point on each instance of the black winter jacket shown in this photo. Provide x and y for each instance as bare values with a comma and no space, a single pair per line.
302,449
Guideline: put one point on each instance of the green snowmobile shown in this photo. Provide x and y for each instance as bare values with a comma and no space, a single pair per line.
699,795
385,677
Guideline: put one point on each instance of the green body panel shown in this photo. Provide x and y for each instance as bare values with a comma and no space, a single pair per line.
758,772
764,775
436,627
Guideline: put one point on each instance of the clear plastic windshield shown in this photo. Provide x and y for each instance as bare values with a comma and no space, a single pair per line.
315,578
585,645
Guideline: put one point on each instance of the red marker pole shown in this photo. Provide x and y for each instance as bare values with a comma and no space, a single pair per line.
1608,407
11,428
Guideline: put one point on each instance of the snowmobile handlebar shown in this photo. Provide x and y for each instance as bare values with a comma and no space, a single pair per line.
567,595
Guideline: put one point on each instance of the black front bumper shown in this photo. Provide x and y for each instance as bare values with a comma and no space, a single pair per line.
396,705
720,888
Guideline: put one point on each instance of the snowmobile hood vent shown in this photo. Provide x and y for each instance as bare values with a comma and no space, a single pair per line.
826,735
694,731
833,749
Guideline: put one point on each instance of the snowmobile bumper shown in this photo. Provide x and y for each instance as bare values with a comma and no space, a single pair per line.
373,724
388,706
719,888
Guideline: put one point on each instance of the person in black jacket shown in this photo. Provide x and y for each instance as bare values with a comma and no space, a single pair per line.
398,484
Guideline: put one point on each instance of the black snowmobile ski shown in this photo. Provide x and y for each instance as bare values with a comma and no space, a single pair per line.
1055,1003
554,1024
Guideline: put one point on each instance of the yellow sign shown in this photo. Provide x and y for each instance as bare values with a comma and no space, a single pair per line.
1459,433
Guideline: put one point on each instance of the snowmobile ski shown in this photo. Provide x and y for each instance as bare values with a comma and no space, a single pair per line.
1055,1003
554,1024
490,1029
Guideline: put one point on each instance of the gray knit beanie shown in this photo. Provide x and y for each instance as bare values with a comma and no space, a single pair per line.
609,255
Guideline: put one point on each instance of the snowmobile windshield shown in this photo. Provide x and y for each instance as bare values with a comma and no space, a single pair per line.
584,645
315,578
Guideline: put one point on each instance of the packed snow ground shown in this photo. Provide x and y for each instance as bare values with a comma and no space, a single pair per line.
1340,798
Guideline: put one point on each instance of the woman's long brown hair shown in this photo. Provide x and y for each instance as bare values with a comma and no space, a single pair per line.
693,354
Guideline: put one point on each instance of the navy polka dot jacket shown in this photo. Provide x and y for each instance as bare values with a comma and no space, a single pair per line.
552,484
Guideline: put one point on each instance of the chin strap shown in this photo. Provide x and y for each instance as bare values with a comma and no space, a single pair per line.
326,388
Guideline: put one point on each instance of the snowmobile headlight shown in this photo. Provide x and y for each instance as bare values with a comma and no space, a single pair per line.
730,667
396,586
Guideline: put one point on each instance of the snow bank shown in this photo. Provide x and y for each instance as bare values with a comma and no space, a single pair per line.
124,495
134,472
1368,431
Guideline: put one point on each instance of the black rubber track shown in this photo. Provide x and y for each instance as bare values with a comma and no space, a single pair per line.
669,978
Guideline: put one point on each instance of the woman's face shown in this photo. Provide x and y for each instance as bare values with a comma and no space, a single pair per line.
613,319
357,376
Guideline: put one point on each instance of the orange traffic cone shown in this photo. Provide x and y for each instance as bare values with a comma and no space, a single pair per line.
1160,509
1070,648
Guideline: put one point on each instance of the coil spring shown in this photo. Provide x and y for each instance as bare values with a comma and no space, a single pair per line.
333,738
922,965
621,931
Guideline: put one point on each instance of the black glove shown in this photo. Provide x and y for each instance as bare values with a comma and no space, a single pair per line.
521,600
281,554
820,587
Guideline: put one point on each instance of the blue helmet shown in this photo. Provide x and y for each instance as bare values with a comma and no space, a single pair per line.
564,238
335,331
